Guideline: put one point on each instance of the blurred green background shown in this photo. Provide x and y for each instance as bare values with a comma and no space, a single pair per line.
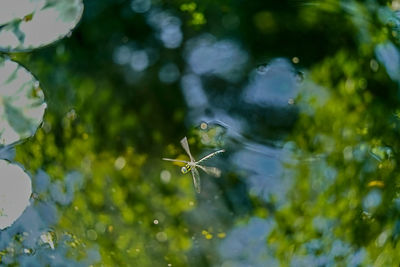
303,95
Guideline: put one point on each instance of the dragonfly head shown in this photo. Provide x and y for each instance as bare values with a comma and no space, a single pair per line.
185,169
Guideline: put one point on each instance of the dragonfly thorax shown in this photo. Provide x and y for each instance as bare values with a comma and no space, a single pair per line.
186,169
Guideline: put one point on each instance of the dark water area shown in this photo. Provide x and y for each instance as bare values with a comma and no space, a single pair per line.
303,96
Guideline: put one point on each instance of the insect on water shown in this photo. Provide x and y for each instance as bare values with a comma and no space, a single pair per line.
192,165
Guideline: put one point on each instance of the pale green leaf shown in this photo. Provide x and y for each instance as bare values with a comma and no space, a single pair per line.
15,191
22,103
29,24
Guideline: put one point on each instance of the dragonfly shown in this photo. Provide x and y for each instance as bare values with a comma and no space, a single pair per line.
192,165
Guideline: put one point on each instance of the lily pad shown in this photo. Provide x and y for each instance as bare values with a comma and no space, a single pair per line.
29,24
22,103
15,191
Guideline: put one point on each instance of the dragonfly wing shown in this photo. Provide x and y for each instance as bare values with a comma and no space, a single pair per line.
211,155
185,145
210,170
196,179
175,160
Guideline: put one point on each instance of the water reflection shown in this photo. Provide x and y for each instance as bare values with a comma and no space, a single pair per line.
274,84
310,172
167,27
31,241
137,59
169,73
264,175
389,56
141,6
193,91
246,245
207,55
